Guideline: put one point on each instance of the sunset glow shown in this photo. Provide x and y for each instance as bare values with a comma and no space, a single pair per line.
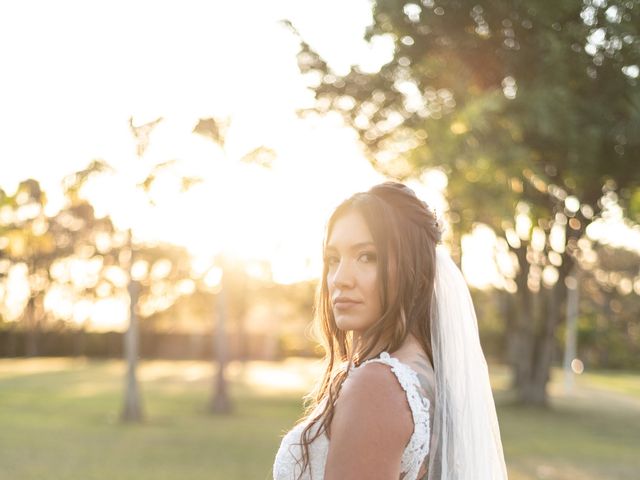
76,79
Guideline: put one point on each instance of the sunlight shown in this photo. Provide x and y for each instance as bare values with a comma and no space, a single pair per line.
16,292
110,314
292,375
478,258
10,367
245,210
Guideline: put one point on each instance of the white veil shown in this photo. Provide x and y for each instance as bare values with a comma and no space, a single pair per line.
465,440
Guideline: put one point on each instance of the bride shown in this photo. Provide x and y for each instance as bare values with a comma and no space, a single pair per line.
406,393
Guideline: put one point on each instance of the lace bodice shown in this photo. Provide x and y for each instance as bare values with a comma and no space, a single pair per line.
288,461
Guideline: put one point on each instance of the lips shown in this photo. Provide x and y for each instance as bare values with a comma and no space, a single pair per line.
345,302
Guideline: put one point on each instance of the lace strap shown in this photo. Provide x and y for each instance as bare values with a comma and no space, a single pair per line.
418,446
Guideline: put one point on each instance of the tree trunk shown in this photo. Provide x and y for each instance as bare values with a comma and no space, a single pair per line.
33,328
549,316
132,409
220,402
536,346
529,349
571,335
523,335
506,307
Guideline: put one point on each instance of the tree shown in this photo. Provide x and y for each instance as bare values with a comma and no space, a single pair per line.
38,241
216,130
132,408
28,241
532,109
85,240
159,268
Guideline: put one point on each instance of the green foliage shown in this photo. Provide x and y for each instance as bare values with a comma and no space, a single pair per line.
503,87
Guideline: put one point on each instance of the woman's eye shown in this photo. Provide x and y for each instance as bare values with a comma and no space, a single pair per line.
371,257
330,260
365,257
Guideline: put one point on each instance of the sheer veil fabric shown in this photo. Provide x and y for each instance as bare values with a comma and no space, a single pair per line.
465,441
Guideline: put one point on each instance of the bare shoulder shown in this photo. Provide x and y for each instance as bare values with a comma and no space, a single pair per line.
371,427
371,387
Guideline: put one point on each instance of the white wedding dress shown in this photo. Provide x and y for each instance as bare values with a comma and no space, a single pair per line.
288,461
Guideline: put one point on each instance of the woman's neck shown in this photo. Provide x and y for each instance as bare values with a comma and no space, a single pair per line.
409,345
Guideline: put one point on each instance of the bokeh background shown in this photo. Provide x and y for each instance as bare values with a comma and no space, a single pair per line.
166,172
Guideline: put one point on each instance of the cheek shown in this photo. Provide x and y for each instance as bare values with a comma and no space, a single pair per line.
372,282
373,291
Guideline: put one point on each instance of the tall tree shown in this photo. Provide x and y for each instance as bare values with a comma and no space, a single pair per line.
132,408
533,111
229,288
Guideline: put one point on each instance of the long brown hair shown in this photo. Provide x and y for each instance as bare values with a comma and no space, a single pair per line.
405,232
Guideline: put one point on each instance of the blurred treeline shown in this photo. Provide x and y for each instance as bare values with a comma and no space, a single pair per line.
72,268
72,263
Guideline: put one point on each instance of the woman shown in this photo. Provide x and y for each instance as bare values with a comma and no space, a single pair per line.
405,394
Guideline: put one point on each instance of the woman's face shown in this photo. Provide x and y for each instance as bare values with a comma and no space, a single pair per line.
352,273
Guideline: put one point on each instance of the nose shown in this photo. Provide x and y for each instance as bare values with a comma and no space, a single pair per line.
343,275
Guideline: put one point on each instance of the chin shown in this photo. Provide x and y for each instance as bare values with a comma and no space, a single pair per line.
347,323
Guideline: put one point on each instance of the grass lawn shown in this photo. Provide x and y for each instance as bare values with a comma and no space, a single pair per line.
59,420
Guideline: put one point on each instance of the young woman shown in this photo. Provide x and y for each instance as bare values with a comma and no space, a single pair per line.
405,394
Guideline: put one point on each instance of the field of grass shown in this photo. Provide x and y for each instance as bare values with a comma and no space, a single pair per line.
59,420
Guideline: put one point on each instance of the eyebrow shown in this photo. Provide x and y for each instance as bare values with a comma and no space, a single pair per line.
355,246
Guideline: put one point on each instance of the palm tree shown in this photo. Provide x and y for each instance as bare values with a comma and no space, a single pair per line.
215,130
132,408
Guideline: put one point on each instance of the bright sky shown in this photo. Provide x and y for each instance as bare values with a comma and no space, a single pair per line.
73,72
